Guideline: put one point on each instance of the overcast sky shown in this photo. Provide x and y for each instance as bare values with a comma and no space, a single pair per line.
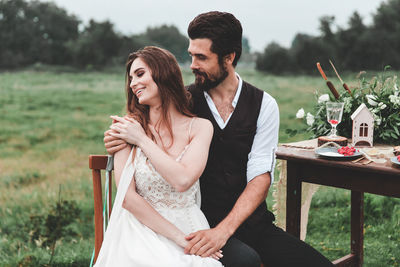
263,21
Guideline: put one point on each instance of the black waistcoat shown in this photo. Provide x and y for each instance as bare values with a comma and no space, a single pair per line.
224,177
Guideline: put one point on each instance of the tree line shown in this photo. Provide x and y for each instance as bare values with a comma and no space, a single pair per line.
34,31
354,48
41,32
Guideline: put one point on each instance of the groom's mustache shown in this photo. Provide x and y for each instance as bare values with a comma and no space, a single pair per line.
200,73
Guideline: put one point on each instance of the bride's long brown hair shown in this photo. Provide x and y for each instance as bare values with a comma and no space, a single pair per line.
167,75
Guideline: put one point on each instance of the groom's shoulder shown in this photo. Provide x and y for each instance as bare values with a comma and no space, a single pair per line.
260,92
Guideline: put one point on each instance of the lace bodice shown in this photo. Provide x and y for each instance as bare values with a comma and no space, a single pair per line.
156,190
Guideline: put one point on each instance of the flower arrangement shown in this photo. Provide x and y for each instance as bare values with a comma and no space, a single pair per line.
381,95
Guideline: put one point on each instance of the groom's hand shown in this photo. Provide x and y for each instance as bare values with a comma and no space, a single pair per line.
113,144
206,242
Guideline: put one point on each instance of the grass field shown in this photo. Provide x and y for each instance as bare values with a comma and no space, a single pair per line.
51,121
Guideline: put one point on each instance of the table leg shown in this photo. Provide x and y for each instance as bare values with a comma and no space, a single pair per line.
293,199
357,226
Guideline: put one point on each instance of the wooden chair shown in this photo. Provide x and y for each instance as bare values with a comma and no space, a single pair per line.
97,163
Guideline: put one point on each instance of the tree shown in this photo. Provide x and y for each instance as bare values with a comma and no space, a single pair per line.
97,45
325,24
170,38
245,45
275,59
306,50
385,32
351,46
35,32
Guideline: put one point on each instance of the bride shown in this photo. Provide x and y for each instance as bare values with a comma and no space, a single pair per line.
157,202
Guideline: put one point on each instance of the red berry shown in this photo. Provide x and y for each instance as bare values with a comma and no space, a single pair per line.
346,151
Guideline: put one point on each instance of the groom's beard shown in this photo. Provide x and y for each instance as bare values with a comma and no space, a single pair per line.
205,81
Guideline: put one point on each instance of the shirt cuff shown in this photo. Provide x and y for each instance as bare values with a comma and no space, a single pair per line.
264,165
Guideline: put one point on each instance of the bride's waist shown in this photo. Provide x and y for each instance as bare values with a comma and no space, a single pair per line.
175,206
183,212
170,203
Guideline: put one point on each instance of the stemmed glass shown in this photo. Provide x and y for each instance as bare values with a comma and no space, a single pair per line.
334,112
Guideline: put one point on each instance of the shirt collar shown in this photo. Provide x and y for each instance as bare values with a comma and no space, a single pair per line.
238,91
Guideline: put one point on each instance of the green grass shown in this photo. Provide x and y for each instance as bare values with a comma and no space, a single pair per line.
51,121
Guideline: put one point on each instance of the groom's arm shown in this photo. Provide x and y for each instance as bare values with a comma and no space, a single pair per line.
113,144
205,242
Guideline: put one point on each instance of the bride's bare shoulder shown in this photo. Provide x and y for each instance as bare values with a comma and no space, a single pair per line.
202,125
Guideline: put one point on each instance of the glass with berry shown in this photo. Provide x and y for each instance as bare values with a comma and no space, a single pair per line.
334,112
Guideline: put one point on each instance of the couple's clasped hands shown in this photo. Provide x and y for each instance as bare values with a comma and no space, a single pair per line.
123,131
206,243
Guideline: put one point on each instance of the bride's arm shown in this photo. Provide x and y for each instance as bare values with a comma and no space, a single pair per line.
181,175
141,209
148,216
120,158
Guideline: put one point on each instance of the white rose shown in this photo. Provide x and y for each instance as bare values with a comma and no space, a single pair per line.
383,106
323,98
371,100
395,99
310,119
300,113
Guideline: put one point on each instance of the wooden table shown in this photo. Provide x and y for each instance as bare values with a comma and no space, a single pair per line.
304,166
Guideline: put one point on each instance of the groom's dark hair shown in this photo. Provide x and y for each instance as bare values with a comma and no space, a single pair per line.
223,29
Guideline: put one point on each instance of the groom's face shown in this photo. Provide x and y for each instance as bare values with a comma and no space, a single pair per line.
208,71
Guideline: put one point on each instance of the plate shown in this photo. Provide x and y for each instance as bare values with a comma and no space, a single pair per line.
331,153
395,160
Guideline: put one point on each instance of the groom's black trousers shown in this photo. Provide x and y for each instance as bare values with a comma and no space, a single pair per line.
271,246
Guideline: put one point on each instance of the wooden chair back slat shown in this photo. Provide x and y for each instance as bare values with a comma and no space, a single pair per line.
96,164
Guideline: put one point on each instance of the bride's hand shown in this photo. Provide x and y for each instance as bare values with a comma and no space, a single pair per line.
181,241
127,129
217,255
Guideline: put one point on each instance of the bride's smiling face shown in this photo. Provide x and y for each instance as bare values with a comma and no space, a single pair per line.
142,83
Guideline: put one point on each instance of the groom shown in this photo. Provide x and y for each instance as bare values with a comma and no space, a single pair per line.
241,161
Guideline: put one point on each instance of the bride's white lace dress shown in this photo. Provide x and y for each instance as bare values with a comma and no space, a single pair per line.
128,242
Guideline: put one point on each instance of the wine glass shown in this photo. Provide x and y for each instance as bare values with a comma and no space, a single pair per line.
334,112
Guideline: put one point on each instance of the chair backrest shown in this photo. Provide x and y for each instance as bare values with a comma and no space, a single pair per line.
96,164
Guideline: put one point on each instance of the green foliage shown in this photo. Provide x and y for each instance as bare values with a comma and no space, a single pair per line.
357,47
169,38
96,45
275,59
382,97
34,32
245,45
329,226
17,180
47,230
